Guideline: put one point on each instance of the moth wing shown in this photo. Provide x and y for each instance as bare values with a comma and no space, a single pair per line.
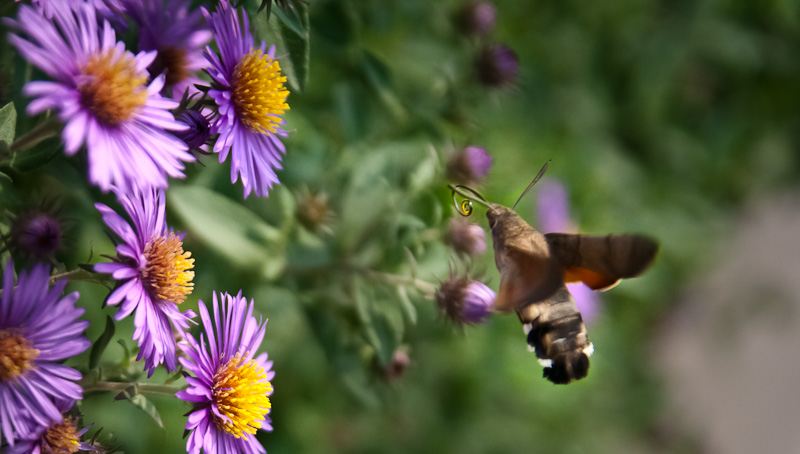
525,277
601,261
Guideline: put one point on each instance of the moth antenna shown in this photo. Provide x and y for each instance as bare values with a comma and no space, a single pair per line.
537,178
465,206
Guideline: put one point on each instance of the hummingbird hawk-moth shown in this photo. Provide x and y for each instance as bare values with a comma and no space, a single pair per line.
534,269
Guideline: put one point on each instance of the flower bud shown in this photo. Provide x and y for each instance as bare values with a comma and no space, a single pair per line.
465,301
476,18
36,234
469,166
199,130
465,237
497,66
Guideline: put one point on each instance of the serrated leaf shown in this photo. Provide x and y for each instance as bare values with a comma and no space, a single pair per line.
229,228
101,343
8,123
146,406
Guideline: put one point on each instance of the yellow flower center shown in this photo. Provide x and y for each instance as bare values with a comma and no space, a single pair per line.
112,89
259,96
62,438
16,354
240,393
167,270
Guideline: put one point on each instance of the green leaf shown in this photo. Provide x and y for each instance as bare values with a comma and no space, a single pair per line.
146,406
294,31
405,302
8,123
101,343
229,228
379,78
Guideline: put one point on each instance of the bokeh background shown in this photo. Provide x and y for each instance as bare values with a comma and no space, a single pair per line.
678,119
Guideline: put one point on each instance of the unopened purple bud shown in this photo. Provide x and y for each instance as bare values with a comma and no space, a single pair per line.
497,66
36,234
465,237
476,18
469,166
465,301
198,131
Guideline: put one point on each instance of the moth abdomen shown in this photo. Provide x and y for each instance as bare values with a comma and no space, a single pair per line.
556,333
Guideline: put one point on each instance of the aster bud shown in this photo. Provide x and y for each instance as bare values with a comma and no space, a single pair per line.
476,18
469,166
497,66
465,301
199,130
36,234
465,237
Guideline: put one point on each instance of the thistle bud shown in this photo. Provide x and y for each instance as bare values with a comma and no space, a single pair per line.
398,366
497,66
465,301
465,237
469,166
476,18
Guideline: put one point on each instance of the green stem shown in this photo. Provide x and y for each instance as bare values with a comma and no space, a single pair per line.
42,131
395,279
142,388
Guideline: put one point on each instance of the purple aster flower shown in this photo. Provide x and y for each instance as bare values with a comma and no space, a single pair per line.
60,436
178,35
553,214
153,274
497,66
248,90
100,94
465,237
476,18
465,301
469,166
231,385
38,329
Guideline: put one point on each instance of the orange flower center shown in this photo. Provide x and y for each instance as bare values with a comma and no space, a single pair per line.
112,90
168,269
16,354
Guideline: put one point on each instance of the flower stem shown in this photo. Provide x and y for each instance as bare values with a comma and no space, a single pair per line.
141,388
42,131
395,279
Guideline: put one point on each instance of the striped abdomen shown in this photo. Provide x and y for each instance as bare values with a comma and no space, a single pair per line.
558,336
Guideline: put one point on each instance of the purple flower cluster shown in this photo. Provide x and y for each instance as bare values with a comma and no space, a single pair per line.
121,107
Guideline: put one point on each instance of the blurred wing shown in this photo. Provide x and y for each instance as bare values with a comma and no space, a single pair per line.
525,278
601,261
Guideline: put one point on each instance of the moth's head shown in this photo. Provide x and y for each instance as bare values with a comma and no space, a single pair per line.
497,214
568,366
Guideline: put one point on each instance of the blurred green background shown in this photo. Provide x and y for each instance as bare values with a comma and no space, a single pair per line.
660,117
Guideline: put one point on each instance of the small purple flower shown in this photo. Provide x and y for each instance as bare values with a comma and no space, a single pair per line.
178,35
476,18
497,66
469,166
553,214
60,436
465,301
38,329
465,237
249,92
231,385
99,91
153,274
